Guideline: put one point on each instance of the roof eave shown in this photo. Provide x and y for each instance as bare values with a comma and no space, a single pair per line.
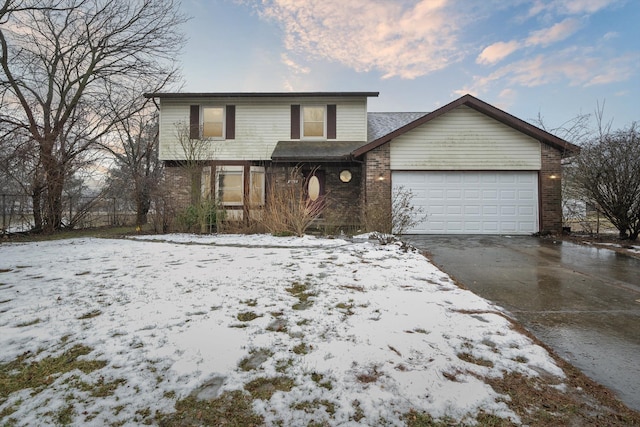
528,129
179,95
346,158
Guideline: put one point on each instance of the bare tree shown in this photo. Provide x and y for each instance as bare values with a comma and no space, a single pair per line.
196,153
137,167
70,70
608,172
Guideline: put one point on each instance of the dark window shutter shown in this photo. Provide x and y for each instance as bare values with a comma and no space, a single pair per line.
295,122
230,124
194,122
331,121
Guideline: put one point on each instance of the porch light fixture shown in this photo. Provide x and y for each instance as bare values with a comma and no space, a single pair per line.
381,177
345,176
553,176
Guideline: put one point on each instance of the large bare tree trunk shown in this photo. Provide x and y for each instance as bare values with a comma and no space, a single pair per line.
73,70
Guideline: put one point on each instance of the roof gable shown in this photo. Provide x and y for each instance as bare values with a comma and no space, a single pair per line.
482,107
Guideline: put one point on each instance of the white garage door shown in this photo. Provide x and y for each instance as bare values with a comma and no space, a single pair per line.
493,202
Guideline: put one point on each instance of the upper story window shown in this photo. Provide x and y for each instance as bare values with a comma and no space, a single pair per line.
212,122
313,122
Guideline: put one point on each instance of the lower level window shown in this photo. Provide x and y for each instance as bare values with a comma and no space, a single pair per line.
230,185
256,186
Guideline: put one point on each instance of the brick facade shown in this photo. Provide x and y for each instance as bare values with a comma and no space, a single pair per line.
550,188
343,207
177,184
376,188
368,195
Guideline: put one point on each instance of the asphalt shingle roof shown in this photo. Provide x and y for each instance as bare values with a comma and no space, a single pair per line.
315,150
381,124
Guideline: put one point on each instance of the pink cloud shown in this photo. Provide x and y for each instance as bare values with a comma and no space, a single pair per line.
497,52
555,33
573,66
395,38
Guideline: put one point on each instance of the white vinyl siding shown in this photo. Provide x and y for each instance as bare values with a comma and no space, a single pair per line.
464,139
259,124
473,202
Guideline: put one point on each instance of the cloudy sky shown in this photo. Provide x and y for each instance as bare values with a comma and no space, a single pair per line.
557,58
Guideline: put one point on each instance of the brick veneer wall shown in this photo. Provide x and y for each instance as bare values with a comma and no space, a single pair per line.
344,197
343,208
177,185
550,190
376,181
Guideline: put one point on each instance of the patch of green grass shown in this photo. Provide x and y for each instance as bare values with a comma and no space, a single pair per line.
90,315
4,414
353,288
143,416
279,324
491,420
100,232
20,373
232,408
520,359
256,358
310,406
65,415
468,357
247,316
29,323
358,411
301,348
264,388
318,379
346,308
283,365
301,291
102,388
239,325
370,376
414,418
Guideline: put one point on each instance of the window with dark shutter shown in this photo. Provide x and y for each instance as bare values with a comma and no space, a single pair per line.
331,121
230,124
295,122
194,122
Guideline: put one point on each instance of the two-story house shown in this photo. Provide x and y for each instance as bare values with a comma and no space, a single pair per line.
471,167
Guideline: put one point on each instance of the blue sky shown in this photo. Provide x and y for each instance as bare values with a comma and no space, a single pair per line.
556,58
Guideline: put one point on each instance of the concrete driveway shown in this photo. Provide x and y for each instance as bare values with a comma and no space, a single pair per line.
583,302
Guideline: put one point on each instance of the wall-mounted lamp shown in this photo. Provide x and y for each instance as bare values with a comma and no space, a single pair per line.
553,176
381,177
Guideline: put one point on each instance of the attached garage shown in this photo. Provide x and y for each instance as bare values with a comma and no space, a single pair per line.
471,167
473,202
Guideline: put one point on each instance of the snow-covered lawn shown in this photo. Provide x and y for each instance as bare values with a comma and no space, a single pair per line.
344,332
